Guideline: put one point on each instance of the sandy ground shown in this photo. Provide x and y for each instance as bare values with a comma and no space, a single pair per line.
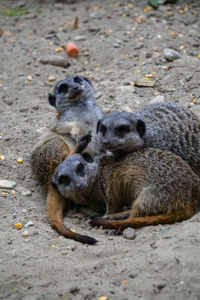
121,42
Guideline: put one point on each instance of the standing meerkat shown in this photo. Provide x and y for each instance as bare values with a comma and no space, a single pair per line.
78,113
158,186
166,126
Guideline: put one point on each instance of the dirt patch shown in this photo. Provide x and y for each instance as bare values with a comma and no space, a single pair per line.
119,43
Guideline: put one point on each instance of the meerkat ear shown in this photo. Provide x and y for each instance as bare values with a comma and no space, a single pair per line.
98,125
52,100
141,127
87,157
86,79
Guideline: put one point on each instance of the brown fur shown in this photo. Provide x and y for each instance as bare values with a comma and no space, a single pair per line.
158,186
45,158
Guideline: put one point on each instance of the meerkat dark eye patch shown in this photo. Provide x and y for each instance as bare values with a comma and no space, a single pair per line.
87,157
63,88
52,99
103,129
80,169
123,129
141,127
86,79
98,125
63,179
77,79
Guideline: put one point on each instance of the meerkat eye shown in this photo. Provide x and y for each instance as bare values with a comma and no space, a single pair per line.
77,79
80,169
63,88
63,179
103,129
123,129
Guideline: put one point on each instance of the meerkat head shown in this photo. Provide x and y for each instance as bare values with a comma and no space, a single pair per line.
73,89
75,174
120,132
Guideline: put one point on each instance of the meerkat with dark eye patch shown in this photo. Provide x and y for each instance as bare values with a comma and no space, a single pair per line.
78,113
159,187
166,126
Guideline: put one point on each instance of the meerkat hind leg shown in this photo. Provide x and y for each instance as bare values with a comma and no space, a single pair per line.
122,215
137,222
55,207
145,212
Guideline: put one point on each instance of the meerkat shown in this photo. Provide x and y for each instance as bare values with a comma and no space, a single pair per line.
158,186
78,113
166,126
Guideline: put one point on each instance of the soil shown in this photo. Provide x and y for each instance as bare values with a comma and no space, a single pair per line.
119,42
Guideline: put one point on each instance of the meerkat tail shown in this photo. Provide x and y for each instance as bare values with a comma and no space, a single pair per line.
144,221
55,208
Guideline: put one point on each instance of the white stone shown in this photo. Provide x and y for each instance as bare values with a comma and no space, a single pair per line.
171,54
7,184
129,233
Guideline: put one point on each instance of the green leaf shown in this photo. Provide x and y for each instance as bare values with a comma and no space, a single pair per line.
156,3
17,11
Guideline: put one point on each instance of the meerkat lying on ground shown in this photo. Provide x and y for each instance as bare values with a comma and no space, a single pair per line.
78,112
158,186
166,126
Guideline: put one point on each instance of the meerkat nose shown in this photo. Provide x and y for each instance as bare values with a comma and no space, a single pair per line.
106,143
79,187
76,88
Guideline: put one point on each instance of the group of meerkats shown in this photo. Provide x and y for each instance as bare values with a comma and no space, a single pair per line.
135,169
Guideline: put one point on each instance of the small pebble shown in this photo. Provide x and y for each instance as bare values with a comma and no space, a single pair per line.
93,29
188,77
139,46
159,98
25,233
127,89
59,61
155,268
160,285
29,224
7,184
170,54
188,18
80,38
116,45
23,109
26,193
23,191
129,233
162,228
145,82
35,107
133,275
35,232
74,290
9,102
